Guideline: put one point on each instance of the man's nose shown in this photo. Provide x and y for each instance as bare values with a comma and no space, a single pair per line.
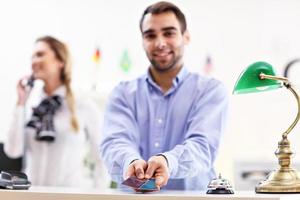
160,43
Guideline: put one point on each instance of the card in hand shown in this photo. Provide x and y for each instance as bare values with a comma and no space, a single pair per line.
134,182
149,185
141,185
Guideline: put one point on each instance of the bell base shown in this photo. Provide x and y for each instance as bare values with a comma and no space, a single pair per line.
220,191
280,181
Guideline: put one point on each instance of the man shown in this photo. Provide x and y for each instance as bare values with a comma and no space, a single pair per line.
168,123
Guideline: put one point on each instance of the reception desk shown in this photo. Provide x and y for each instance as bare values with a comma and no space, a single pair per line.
50,193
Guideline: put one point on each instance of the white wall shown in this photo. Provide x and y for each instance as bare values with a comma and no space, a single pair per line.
234,32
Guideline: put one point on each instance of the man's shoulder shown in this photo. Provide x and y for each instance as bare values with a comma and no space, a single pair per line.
131,86
208,88
205,82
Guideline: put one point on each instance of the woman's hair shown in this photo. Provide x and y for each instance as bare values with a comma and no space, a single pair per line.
62,54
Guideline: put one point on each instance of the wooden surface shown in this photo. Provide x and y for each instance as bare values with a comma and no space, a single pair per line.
50,193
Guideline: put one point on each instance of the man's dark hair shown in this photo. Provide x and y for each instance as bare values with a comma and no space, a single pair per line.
163,7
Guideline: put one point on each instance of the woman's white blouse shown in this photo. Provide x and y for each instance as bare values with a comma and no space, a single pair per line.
60,163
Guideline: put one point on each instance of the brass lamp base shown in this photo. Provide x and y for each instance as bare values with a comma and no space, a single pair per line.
280,181
285,179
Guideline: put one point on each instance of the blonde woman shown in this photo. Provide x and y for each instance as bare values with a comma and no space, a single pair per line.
50,126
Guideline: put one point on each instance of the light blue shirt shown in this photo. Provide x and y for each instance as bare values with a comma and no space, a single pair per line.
185,124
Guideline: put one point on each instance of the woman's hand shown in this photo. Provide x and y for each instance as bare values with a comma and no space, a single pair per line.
23,91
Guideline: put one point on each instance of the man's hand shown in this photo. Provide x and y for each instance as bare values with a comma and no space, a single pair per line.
136,168
158,168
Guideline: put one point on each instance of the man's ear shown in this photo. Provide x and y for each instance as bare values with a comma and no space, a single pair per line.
186,37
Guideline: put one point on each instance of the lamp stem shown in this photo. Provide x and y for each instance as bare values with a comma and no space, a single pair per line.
287,84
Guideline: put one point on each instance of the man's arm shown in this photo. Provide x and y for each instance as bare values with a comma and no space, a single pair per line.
206,125
119,146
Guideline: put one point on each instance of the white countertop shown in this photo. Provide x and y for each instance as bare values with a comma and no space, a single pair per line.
51,193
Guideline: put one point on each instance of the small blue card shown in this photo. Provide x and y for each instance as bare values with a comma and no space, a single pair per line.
149,185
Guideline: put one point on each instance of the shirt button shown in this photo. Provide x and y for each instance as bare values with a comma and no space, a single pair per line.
156,144
160,121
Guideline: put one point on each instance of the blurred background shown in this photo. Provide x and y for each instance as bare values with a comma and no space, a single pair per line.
226,37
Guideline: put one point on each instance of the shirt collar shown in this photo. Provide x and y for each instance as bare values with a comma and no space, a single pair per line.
180,76
60,91
176,81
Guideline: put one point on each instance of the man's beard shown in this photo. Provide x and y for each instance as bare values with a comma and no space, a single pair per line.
161,68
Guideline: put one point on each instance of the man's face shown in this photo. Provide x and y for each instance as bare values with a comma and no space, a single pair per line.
163,40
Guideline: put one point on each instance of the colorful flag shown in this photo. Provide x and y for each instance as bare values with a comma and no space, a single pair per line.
96,69
208,67
125,63
97,56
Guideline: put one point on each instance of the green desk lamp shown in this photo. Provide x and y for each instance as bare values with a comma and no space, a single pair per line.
260,77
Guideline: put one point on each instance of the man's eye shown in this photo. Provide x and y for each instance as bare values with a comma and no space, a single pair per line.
169,33
149,36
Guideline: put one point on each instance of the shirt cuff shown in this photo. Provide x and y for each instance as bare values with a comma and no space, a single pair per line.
172,162
128,161
160,154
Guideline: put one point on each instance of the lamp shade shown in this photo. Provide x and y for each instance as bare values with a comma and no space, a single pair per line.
250,81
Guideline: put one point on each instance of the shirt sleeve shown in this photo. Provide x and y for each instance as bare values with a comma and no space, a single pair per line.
14,143
120,141
206,125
